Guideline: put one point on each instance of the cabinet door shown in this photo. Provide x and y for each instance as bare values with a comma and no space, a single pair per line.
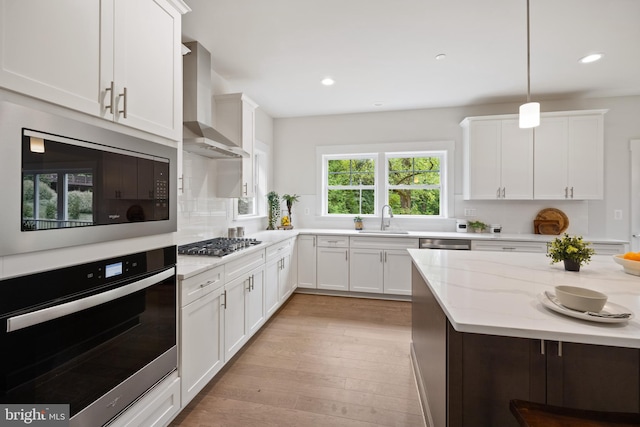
482,160
599,378
586,157
551,154
516,161
48,55
397,272
285,285
333,268
307,261
255,301
235,316
148,65
366,270
271,282
201,343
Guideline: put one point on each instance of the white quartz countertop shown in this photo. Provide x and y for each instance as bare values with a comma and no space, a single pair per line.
496,293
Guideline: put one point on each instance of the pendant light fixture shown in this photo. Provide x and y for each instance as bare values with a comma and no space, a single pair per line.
529,112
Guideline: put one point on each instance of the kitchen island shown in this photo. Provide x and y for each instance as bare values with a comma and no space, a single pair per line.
481,336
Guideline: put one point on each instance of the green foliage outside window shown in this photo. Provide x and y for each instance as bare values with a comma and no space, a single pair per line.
414,185
351,186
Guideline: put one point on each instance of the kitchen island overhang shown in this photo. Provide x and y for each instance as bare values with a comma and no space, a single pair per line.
497,294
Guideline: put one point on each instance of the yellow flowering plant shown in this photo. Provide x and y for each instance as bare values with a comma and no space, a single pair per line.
570,247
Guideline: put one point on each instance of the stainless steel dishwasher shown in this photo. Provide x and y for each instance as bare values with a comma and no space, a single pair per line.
452,244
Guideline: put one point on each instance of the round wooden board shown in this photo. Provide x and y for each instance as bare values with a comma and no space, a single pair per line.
555,214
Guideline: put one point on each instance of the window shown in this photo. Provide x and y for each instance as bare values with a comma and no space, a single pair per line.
248,207
350,184
414,185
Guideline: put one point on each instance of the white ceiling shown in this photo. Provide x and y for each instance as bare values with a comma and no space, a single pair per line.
383,51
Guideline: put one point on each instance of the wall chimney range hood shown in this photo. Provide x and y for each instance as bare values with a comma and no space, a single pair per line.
199,135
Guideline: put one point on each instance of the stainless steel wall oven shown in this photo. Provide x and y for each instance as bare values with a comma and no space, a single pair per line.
68,183
95,336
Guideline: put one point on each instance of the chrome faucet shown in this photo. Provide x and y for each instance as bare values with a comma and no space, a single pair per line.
382,226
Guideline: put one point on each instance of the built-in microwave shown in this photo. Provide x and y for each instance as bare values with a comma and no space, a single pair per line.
68,183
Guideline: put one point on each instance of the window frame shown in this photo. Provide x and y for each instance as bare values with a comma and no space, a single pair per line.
260,176
445,147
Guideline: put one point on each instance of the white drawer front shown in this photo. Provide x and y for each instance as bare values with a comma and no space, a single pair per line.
197,286
277,250
509,246
383,242
333,241
245,264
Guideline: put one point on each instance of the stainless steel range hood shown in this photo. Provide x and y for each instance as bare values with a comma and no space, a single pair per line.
199,135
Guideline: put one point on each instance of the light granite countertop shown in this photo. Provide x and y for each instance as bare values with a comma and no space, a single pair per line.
497,293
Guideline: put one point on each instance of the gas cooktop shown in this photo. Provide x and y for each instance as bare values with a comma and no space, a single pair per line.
219,247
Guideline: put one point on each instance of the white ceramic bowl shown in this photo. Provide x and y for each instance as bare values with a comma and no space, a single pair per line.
629,266
580,298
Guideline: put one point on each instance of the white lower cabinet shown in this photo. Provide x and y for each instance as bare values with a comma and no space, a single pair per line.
333,268
202,342
509,246
381,265
279,280
306,250
255,300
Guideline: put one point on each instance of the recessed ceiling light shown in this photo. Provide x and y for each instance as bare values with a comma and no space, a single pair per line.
440,56
328,81
591,58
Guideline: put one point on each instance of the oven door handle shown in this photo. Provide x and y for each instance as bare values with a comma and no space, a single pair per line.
50,313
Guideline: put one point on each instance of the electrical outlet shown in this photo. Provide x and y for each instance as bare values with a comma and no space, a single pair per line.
469,212
617,214
306,211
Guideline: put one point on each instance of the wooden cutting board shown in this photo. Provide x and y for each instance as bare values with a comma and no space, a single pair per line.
551,214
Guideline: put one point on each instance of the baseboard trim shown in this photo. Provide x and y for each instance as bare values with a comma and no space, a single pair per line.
328,292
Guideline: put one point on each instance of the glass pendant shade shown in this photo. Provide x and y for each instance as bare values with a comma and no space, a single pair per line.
529,115
36,145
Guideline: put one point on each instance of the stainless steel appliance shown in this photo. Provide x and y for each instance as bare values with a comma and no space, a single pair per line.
450,244
95,336
218,247
69,183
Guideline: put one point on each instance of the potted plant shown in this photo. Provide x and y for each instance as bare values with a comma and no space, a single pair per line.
572,250
274,209
357,220
289,200
477,226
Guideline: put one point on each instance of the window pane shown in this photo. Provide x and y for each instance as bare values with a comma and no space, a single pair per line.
351,202
414,171
414,202
246,206
351,172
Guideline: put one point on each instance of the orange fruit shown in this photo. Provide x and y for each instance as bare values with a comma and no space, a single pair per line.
633,256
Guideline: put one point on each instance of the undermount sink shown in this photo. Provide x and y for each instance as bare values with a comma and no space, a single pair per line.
383,232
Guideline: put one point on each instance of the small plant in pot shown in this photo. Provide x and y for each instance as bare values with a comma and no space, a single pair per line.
572,250
289,200
477,226
357,221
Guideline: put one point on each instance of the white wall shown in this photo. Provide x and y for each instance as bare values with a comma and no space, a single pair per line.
296,139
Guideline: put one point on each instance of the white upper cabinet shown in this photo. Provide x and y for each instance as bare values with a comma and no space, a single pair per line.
569,152
560,159
235,118
498,158
100,57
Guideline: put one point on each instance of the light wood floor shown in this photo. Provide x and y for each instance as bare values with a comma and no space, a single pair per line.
320,361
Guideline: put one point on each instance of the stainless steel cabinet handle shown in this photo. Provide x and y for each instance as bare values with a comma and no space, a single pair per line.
385,256
566,192
224,304
346,255
253,281
112,96
36,317
508,248
124,104
541,346
380,256
572,192
503,192
559,348
283,263
246,185
498,193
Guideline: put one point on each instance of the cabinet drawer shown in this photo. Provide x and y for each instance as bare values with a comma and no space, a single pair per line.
197,286
383,242
333,241
245,264
609,248
277,250
509,246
